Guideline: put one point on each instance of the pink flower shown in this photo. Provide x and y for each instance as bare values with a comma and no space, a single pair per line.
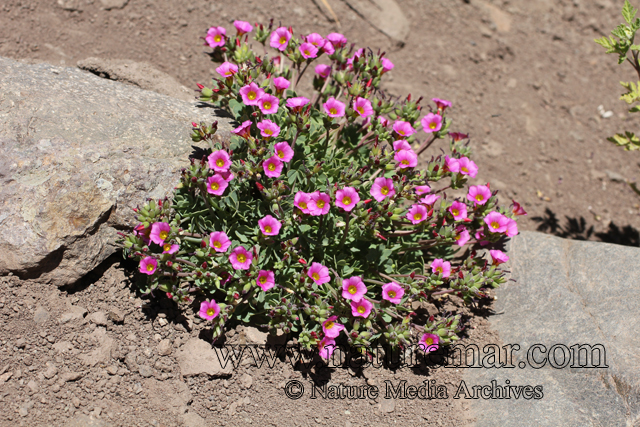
512,228
323,70
451,164
498,257
280,39
479,237
269,226
268,104
268,129
308,50
251,94
168,248
517,209
315,39
468,167
382,188
243,130
227,176
143,233
361,308
406,159
159,232
216,36
334,108
301,201
243,27
358,53
326,347
403,128
353,288
283,151
219,161
401,144
227,69
347,198
439,266
297,103
219,241
384,122
363,107
272,167
266,280
337,40
422,189
479,194
240,258
442,104
497,222
462,237
216,185
458,210
318,273
431,123
429,342
328,48
209,310
330,328
386,65
392,292
148,265
280,83
457,136
429,199
417,214
319,203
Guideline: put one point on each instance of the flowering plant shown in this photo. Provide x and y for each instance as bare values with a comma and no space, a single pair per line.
313,217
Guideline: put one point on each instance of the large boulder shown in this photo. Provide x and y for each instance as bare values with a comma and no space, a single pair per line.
77,153
566,293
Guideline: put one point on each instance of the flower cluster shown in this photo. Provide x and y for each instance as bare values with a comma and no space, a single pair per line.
315,216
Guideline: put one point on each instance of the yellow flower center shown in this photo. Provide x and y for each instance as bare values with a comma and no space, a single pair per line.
241,258
267,229
405,162
167,247
455,212
266,105
346,200
439,269
263,279
417,217
302,205
333,111
494,224
215,186
329,324
217,38
251,95
306,52
432,125
352,289
361,309
428,341
220,163
457,237
271,167
464,169
164,234
268,132
320,203
360,110
315,276
217,244
479,197
281,154
211,312
283,40
401,132
384,190
150,267
391,294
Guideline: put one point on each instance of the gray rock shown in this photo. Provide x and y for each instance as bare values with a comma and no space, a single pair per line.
196,357
63,347
104,346
387,406
251,335
99,318
41,315
116,315
71,376
77,153
140,74
145,371
87,421
51,371
565,293
73,313
164,347
615,176
21,343
246,380
114,4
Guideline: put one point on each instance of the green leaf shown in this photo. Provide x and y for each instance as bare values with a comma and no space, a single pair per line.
634,109
628,12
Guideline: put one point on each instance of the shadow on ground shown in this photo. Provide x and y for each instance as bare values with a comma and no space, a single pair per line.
578,229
